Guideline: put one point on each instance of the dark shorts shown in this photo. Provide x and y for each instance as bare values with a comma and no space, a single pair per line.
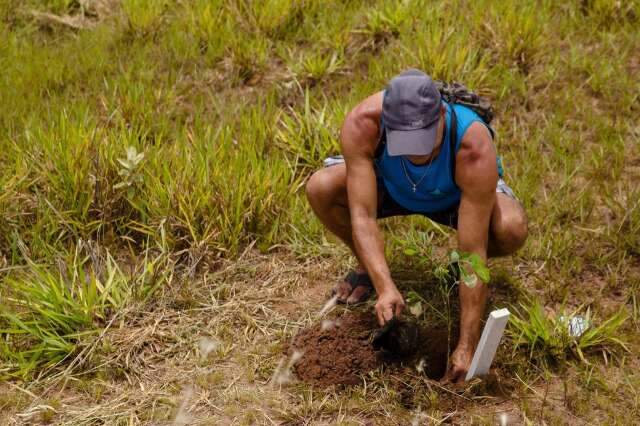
388,207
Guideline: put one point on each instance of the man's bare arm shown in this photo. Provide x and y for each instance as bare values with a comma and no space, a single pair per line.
359,137
476,175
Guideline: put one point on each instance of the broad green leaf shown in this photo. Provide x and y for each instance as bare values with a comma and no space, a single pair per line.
483,273
470,280
413,297
475,260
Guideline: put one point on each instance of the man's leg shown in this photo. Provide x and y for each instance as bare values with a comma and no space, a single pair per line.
327,194
508,229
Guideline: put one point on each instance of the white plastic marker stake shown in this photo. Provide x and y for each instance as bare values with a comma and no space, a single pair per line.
486,350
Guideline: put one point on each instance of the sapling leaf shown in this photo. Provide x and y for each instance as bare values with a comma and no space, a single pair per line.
475,260
413,297
132,152
470,280
482,272
454,257
479,267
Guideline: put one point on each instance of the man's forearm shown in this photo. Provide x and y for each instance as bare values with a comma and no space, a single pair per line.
472,238
369,246
472,301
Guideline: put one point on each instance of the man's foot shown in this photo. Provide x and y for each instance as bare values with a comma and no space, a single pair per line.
354,289
459,364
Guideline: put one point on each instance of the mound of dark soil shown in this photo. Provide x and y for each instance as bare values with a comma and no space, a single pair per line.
340,352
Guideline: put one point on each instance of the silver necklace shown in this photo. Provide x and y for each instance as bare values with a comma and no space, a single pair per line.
414,185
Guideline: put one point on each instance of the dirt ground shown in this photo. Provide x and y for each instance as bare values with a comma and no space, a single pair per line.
214,358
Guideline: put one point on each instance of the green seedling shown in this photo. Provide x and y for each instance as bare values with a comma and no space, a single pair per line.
477,267
471,267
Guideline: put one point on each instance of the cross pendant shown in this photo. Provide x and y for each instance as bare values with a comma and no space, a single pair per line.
414,188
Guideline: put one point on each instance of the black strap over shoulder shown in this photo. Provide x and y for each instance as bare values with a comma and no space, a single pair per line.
453,133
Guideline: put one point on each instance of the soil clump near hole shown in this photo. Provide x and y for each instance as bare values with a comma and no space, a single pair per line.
340,352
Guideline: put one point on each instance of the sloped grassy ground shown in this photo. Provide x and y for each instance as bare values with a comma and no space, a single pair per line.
156,250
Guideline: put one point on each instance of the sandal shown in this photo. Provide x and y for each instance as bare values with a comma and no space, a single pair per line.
356,280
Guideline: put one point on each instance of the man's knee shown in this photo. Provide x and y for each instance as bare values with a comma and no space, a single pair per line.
512,232
517,232
316,187
321,188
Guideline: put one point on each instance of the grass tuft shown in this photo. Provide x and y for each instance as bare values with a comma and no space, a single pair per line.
551,339
48,312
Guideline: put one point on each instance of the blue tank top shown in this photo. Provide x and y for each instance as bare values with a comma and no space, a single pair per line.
436,191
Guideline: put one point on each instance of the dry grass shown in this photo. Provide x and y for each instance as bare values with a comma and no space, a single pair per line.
148,367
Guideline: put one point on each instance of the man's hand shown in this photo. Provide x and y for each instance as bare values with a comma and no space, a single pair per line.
459,364
390,304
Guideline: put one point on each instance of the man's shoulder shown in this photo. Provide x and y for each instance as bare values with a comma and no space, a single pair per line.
476,135
361,128
466,118
476,158
369,109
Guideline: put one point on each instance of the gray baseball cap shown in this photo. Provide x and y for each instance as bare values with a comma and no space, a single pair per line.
410,111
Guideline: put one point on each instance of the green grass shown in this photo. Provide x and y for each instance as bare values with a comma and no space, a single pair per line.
553,339
47,313
144,153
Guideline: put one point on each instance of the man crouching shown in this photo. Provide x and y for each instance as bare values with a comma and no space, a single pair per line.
403,156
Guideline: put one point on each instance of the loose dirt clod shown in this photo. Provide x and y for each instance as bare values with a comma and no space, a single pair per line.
337,356
397,338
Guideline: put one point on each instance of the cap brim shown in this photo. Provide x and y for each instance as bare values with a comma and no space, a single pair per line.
412,142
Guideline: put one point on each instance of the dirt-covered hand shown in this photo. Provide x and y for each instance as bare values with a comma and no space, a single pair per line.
390,304
459,364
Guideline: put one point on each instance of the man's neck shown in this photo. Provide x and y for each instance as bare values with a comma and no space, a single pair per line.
420,160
